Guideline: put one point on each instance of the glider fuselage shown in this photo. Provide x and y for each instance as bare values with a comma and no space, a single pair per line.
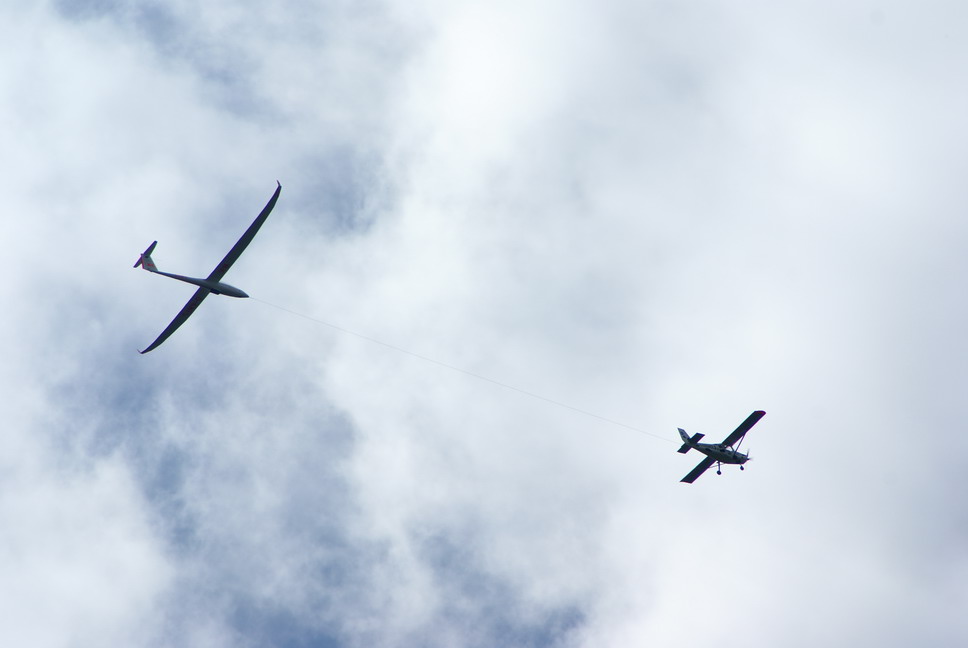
217,287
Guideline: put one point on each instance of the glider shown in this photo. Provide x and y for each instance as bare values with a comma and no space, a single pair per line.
213,282
719,453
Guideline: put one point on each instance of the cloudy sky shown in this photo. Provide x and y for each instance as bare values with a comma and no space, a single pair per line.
664,214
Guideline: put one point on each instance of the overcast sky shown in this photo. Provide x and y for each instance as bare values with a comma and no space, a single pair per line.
665,214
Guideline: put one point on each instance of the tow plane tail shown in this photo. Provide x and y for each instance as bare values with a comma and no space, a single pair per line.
688,442
145,259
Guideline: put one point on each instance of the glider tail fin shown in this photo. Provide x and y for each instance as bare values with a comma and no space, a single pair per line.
688,442
145,259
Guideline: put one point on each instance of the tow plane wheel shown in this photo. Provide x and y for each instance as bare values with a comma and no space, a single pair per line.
719,472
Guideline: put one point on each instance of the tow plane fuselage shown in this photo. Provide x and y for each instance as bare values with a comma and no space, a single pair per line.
722,454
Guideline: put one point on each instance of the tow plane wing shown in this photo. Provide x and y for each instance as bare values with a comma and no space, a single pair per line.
702,467
743,428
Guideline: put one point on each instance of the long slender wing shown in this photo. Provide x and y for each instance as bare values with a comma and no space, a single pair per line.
243,242
180,318
698,470
743,428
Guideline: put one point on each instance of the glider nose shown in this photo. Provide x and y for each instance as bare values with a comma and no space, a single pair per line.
228,291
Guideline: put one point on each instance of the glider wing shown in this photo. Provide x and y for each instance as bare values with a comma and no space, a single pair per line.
698,470
243,242
180,318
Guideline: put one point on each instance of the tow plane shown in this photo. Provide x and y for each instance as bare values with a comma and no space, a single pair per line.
212,283
719,453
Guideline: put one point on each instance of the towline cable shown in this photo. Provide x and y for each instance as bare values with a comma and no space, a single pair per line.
463,371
